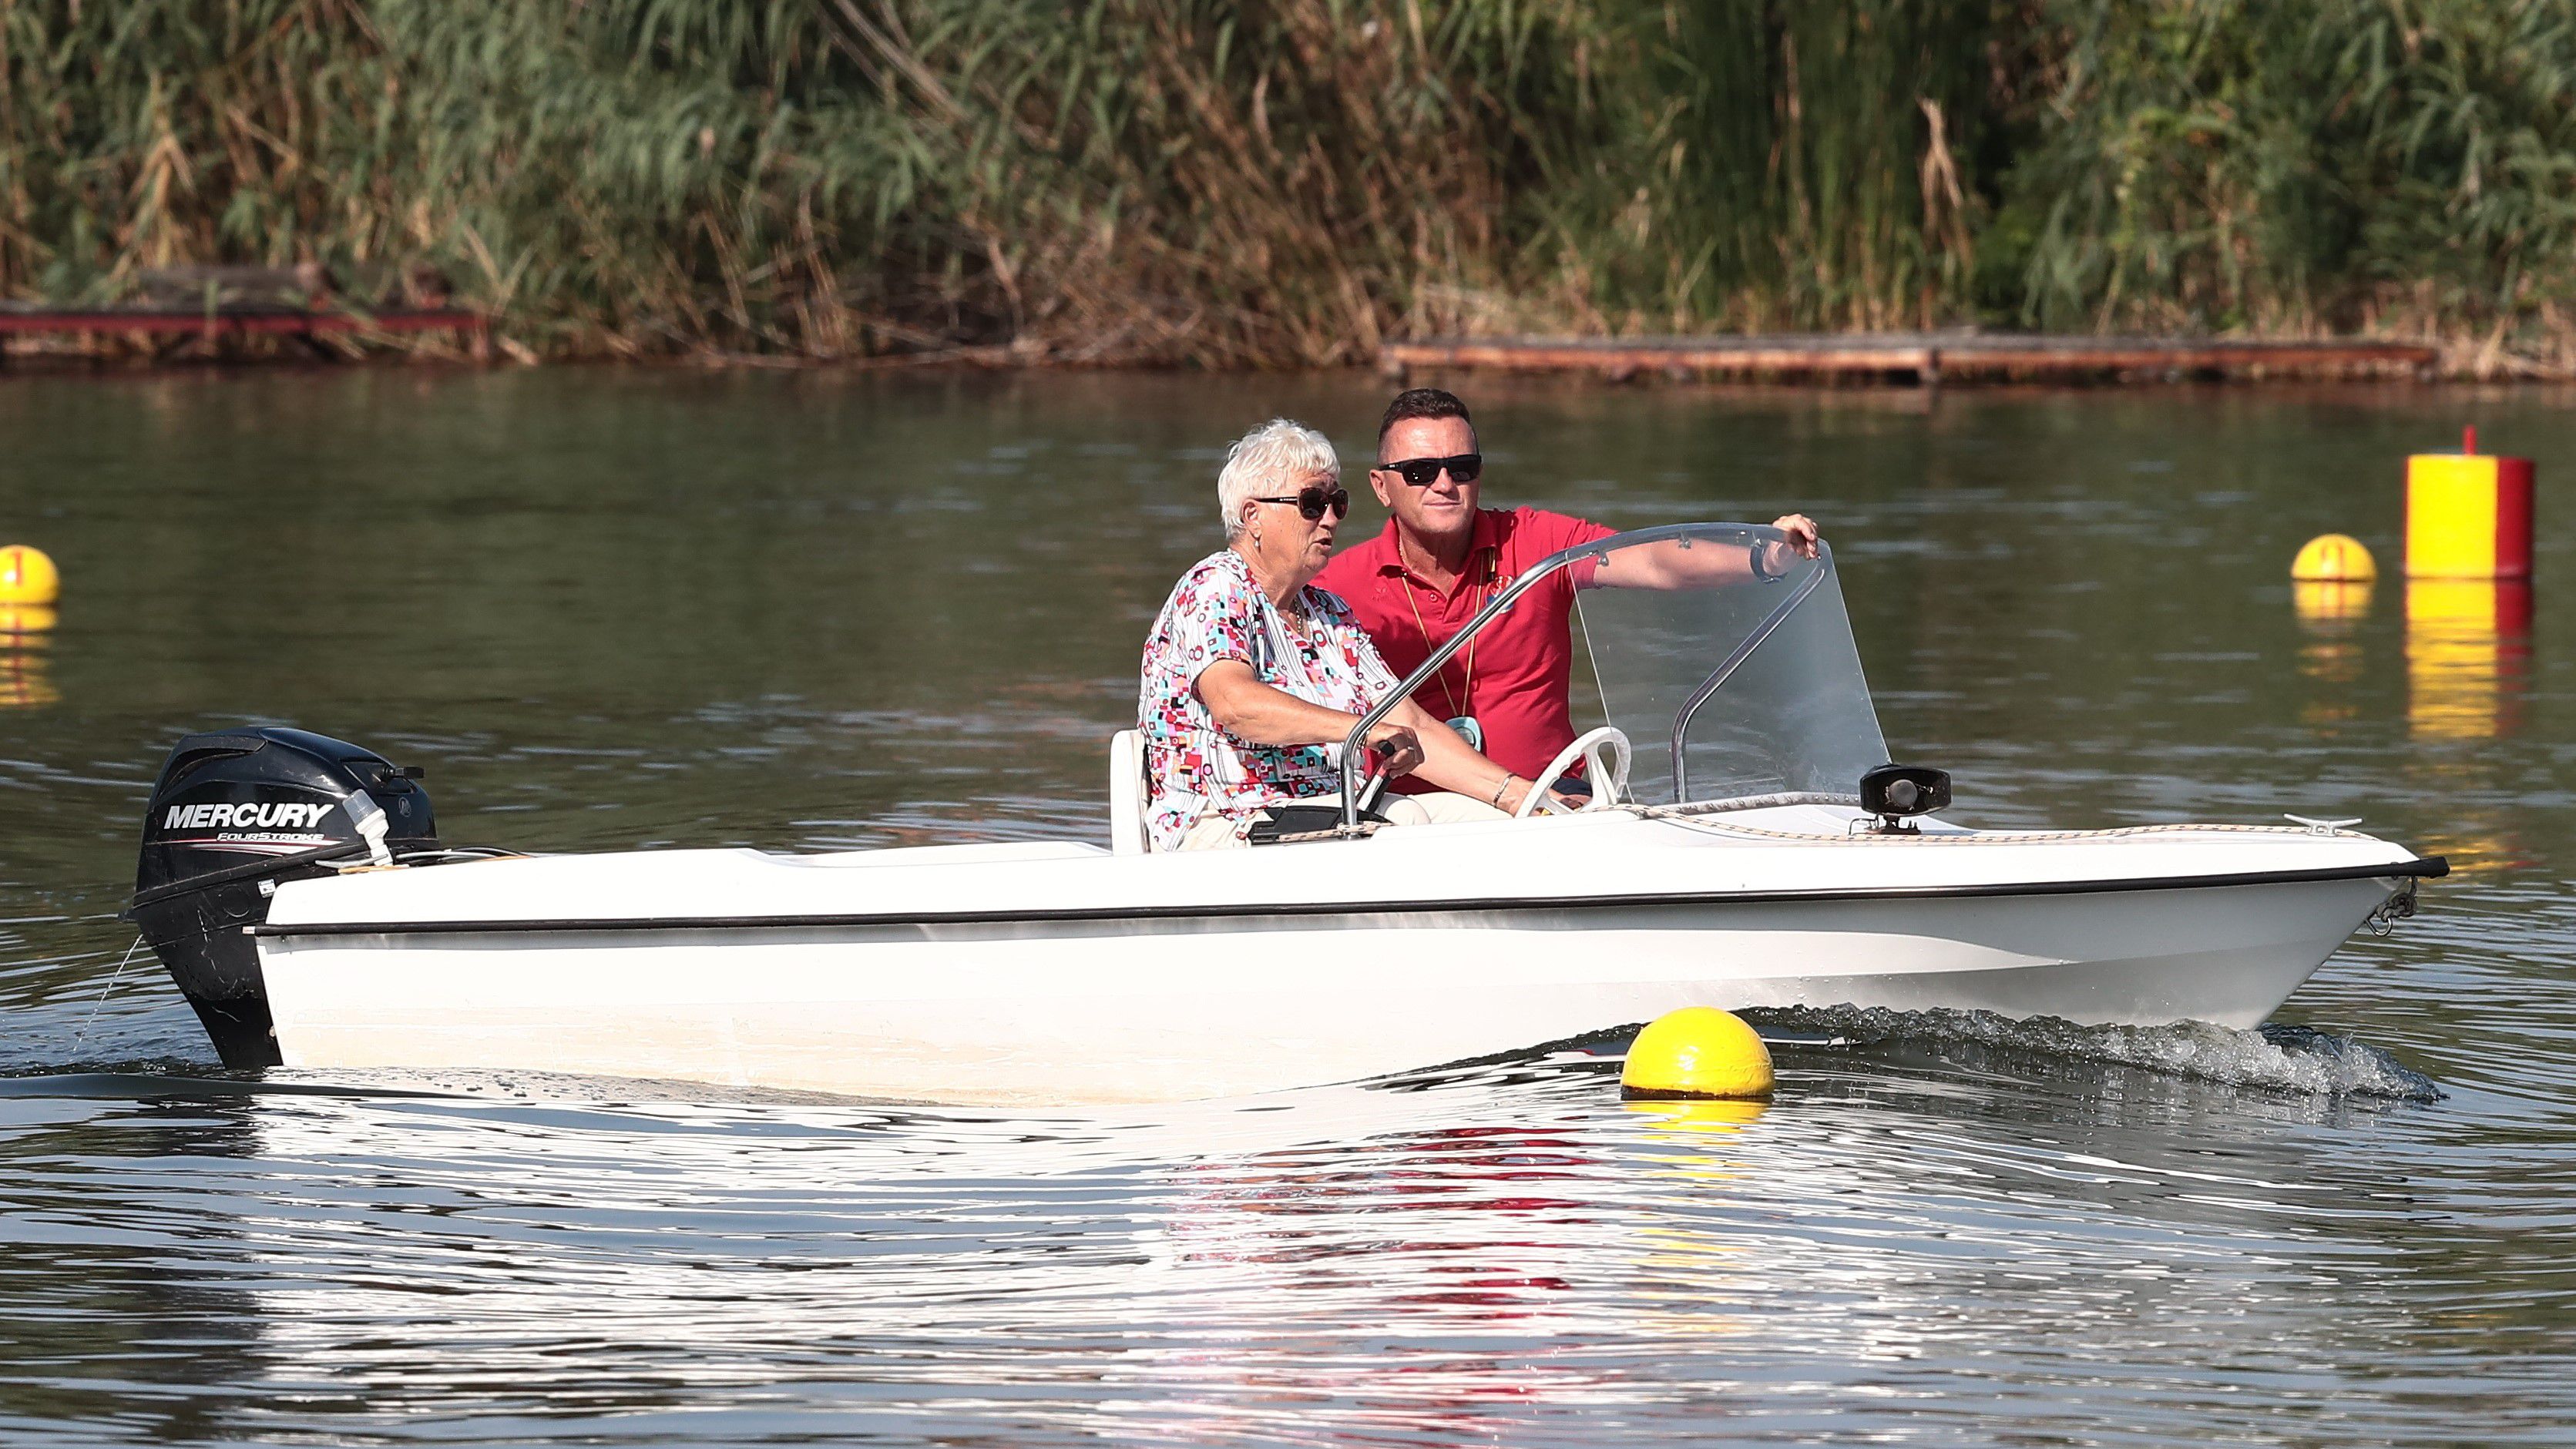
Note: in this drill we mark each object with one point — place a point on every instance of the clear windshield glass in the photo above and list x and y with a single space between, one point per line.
1678 632
1662 618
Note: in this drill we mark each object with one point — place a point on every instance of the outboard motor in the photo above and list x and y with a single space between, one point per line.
234 814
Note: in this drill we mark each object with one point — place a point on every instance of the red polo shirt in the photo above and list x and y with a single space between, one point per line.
1513 677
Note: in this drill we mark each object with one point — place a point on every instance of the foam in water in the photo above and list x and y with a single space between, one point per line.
2278 1058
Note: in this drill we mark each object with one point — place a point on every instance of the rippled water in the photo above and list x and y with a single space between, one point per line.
613 609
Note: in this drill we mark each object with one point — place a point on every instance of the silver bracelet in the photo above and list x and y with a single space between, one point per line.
1506 784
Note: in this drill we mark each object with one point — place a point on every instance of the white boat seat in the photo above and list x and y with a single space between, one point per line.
1127 834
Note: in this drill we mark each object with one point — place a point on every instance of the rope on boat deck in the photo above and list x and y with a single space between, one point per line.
2012 837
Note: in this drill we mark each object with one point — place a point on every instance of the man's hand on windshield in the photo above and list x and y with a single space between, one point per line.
1801 530
1676 564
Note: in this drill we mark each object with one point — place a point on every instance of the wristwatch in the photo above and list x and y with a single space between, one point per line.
1753 554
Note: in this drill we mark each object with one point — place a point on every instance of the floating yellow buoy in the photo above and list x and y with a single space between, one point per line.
2334 558
27 576
1698 1051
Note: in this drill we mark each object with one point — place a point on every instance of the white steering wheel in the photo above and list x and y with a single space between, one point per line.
1604 753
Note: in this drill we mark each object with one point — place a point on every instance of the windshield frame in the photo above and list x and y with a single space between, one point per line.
1601 549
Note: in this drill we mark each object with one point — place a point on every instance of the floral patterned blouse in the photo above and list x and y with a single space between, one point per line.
1316 652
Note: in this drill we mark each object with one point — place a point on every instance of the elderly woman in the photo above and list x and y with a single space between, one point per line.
1250 673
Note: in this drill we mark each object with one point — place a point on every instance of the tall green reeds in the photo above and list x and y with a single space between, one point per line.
1270 182
627 175
2320 165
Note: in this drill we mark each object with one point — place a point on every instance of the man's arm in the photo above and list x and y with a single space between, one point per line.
1694 564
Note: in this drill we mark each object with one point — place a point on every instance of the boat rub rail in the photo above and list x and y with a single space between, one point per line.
2428 867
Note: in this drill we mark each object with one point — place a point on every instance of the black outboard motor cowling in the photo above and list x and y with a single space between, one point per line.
234 814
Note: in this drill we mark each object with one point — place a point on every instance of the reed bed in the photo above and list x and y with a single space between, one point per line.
1287 182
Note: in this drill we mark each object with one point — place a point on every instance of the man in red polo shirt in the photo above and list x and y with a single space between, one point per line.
1441 558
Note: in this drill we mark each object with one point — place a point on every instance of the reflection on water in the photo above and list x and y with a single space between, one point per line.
2468 666
611 609
2332 654
25 629
2468 649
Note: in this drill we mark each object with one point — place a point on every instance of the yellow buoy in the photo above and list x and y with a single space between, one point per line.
1698 1051
2334 558
27 576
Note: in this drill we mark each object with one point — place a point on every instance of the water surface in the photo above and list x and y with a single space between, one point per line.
613 609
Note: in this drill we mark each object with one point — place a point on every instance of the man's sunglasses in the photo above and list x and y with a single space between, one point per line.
1313 500
1423 472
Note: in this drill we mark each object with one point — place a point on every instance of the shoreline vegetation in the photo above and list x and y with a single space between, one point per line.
1293 183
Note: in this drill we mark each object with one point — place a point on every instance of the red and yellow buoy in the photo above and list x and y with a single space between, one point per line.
2468 514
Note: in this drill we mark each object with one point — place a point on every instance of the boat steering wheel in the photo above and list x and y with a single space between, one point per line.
1605 754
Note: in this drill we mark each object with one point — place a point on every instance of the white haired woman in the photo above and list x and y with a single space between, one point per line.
1250 673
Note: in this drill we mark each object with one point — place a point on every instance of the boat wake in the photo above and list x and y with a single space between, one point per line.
2296 1060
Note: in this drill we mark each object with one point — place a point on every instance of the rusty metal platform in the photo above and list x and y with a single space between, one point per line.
1924 358
216 325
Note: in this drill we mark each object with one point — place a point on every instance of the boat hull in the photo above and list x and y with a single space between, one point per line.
1178 1005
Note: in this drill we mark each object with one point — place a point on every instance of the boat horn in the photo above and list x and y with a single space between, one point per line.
1894 792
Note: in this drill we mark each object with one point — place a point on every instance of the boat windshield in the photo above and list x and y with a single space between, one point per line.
1729 680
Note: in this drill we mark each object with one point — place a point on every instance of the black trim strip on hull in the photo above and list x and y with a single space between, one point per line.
2430 867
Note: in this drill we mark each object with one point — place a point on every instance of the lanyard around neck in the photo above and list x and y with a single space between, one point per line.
1457 706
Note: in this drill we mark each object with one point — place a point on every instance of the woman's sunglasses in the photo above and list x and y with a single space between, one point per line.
1423 472
1312 501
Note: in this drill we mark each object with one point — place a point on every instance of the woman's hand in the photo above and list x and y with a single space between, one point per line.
1397 748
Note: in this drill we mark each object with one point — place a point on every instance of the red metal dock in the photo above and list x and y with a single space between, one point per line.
1926 358
217 325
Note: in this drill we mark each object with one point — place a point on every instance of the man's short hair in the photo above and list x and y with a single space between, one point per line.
1274 458
1421 402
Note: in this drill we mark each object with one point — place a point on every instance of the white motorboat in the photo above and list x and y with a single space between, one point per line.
1766 856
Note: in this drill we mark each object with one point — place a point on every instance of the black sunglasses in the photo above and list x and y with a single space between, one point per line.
1423 472
1312 500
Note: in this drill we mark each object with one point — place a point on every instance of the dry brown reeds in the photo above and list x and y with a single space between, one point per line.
1285 182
